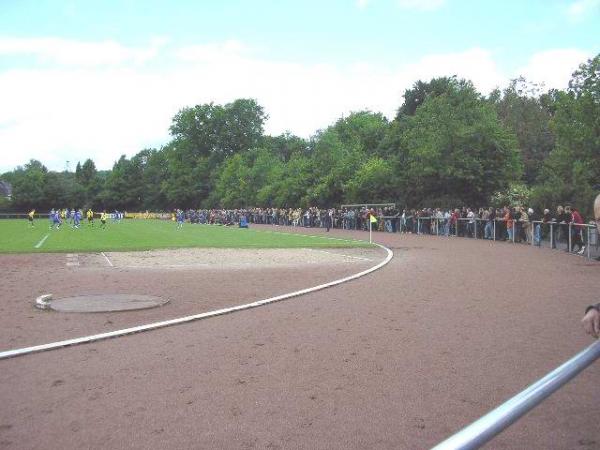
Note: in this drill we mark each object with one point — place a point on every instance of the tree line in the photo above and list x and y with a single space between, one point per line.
447 146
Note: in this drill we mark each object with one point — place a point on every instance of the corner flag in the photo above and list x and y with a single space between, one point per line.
372 220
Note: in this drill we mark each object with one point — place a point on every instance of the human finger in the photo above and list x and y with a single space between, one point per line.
596 323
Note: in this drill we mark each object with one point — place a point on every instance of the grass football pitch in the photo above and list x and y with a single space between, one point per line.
16 236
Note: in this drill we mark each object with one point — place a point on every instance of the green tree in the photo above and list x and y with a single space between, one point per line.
153 165
220 130
572 170
28 183
456 149
373 182
333 164
204 136
286 145
123 188
522 109
363 130
292 181
422 90
88 184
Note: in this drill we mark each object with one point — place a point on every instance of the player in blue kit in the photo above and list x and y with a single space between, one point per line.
180 218
76 218
56 222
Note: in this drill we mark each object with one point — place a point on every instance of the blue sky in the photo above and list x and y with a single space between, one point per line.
97 79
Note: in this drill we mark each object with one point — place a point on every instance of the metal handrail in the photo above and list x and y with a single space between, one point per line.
532 238
484 429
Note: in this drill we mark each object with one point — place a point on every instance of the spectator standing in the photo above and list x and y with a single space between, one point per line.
577 231
329 219
518 225
536 228
490 217
525 225
562 230
471 223
509 221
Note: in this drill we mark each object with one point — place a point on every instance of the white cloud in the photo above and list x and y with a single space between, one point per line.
580 9
421 5
362 4
553 68
70 52
72 113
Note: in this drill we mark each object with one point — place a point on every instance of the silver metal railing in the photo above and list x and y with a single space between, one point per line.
484 429
471 227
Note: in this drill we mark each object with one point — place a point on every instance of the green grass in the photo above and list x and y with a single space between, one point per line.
17 237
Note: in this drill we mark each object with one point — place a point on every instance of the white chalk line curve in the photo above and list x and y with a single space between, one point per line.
186 319
39 244
260 230
107 260
341 254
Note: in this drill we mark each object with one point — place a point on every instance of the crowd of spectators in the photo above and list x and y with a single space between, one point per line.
516 224
511 224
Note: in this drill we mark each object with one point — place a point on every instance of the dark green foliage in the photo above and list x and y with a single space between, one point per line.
572 170
454 147
421 91
527 114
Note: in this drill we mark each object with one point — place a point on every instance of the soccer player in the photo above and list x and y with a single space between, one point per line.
30 217
90 217
103 217
51 216
180 218
56 220
76 218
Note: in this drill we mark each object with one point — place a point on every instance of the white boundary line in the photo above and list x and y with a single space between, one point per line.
167 323
39 244
260 230
107 260
314 236
362 258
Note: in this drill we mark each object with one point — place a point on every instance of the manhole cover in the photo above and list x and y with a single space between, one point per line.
106 303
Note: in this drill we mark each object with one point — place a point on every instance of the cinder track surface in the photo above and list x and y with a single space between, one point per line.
399 359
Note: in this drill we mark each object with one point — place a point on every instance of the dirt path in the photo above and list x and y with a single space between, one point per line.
400 359
194 281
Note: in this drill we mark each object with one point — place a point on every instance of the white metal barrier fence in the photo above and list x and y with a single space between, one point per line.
494 422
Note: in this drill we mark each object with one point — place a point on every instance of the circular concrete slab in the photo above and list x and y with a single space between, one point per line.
106 303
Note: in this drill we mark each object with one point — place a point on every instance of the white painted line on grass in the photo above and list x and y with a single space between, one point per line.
107 260
39 244
167 323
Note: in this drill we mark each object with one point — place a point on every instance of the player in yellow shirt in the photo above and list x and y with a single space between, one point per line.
30 217
103 218
90 217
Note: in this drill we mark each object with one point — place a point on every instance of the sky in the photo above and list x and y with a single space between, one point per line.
100 78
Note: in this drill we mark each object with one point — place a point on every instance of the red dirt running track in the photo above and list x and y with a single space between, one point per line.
399 359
